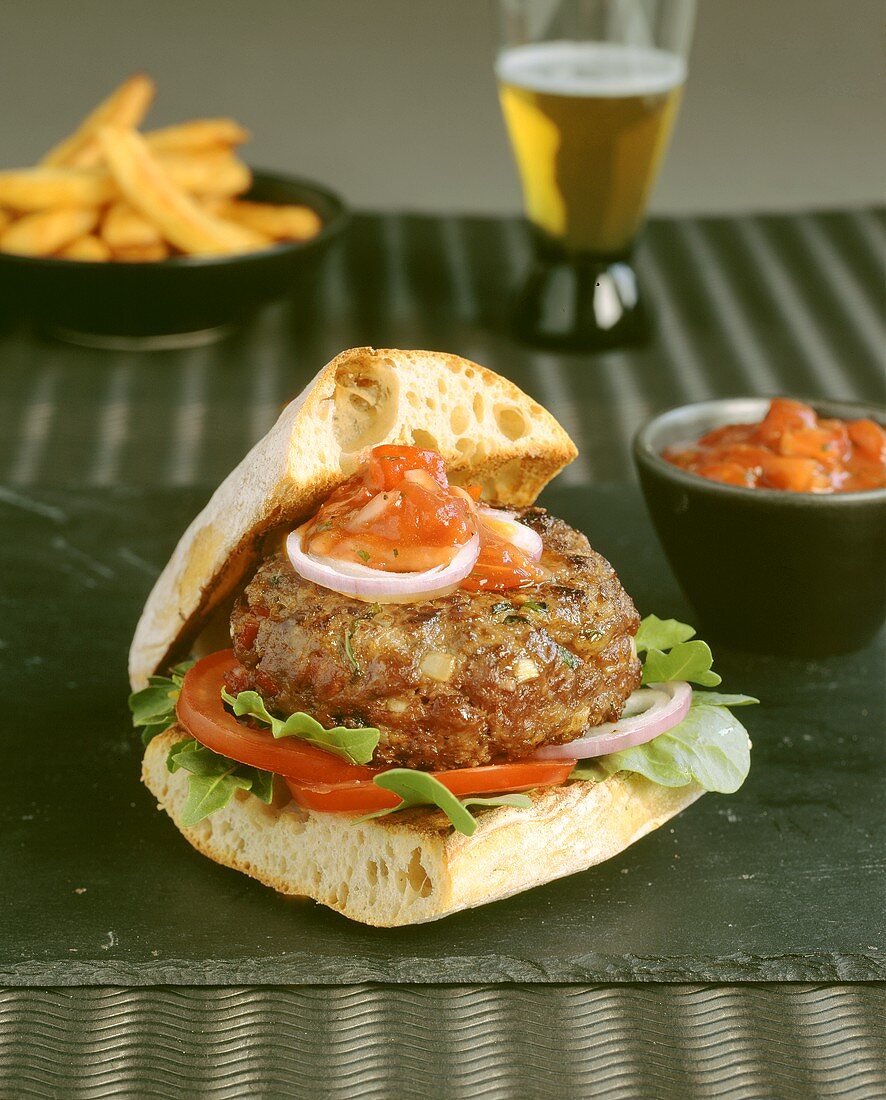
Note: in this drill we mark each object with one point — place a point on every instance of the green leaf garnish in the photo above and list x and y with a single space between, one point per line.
153 707
656 633
589 769
502 605
686 661
521 801
349 651
533 605
363 555
568 657
214 779
417 788
721 699
356 746
710 746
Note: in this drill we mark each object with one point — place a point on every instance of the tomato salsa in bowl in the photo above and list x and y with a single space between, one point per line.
772 513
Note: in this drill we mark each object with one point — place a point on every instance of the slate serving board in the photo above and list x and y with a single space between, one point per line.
781 882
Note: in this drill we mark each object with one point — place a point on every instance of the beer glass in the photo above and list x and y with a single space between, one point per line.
589 90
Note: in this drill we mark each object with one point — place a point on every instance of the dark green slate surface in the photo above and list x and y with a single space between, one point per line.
783 881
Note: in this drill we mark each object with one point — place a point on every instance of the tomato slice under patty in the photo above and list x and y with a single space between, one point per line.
319 780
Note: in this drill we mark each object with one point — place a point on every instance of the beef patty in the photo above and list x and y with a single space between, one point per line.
465 679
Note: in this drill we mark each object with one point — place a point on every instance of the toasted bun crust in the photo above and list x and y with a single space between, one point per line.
488 431
413 867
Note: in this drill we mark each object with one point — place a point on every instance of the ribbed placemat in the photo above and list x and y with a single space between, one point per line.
745 305
754 1042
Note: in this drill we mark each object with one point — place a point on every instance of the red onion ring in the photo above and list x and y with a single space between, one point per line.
523 537
376 585
664 706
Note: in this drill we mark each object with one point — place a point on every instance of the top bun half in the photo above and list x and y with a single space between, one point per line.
488 431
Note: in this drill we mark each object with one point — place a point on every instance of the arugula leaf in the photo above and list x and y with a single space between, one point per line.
180 670
262 785
214 779
357 745
591 770
154 706
153 703
686 661
710 746
522 801
208 793
720 699
349 651
151 731
568 657
417 788
656 633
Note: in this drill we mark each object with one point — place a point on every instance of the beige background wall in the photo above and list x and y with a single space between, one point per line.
393 102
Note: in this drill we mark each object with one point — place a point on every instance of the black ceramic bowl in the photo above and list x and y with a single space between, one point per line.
176 301
770 571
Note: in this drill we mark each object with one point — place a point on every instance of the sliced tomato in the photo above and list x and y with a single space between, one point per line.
362 797
202 712
501 566
390 462
319 780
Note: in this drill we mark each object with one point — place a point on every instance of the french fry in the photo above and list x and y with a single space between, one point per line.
27 189
283 223
200 133
47 231
210 172
125 106
139 254
123 227
217 172
149 188
91 248
5 219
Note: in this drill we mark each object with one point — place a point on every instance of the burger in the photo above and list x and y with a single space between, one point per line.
376 674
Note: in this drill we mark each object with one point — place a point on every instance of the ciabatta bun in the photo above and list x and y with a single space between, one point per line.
488 431
412 867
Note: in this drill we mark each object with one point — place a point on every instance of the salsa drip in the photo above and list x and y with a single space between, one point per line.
791 449
399 514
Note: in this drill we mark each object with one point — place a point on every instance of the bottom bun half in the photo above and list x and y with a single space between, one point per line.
412 867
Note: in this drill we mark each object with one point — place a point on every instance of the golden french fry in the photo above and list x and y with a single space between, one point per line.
91 248
200 133
123 227
149 188
144 253
290 223
27 189
5 219
125 106
210 172
47 231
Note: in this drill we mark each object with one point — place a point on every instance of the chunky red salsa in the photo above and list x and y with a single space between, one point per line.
400 514
791 448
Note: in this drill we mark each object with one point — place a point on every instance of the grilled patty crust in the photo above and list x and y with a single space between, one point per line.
466 679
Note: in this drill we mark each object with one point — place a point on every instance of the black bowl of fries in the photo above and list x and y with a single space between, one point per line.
158 238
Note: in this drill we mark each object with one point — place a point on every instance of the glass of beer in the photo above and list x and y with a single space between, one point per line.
589 90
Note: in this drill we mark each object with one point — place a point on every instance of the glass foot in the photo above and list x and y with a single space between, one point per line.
581 303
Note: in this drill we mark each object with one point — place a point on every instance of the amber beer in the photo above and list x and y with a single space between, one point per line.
589 123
